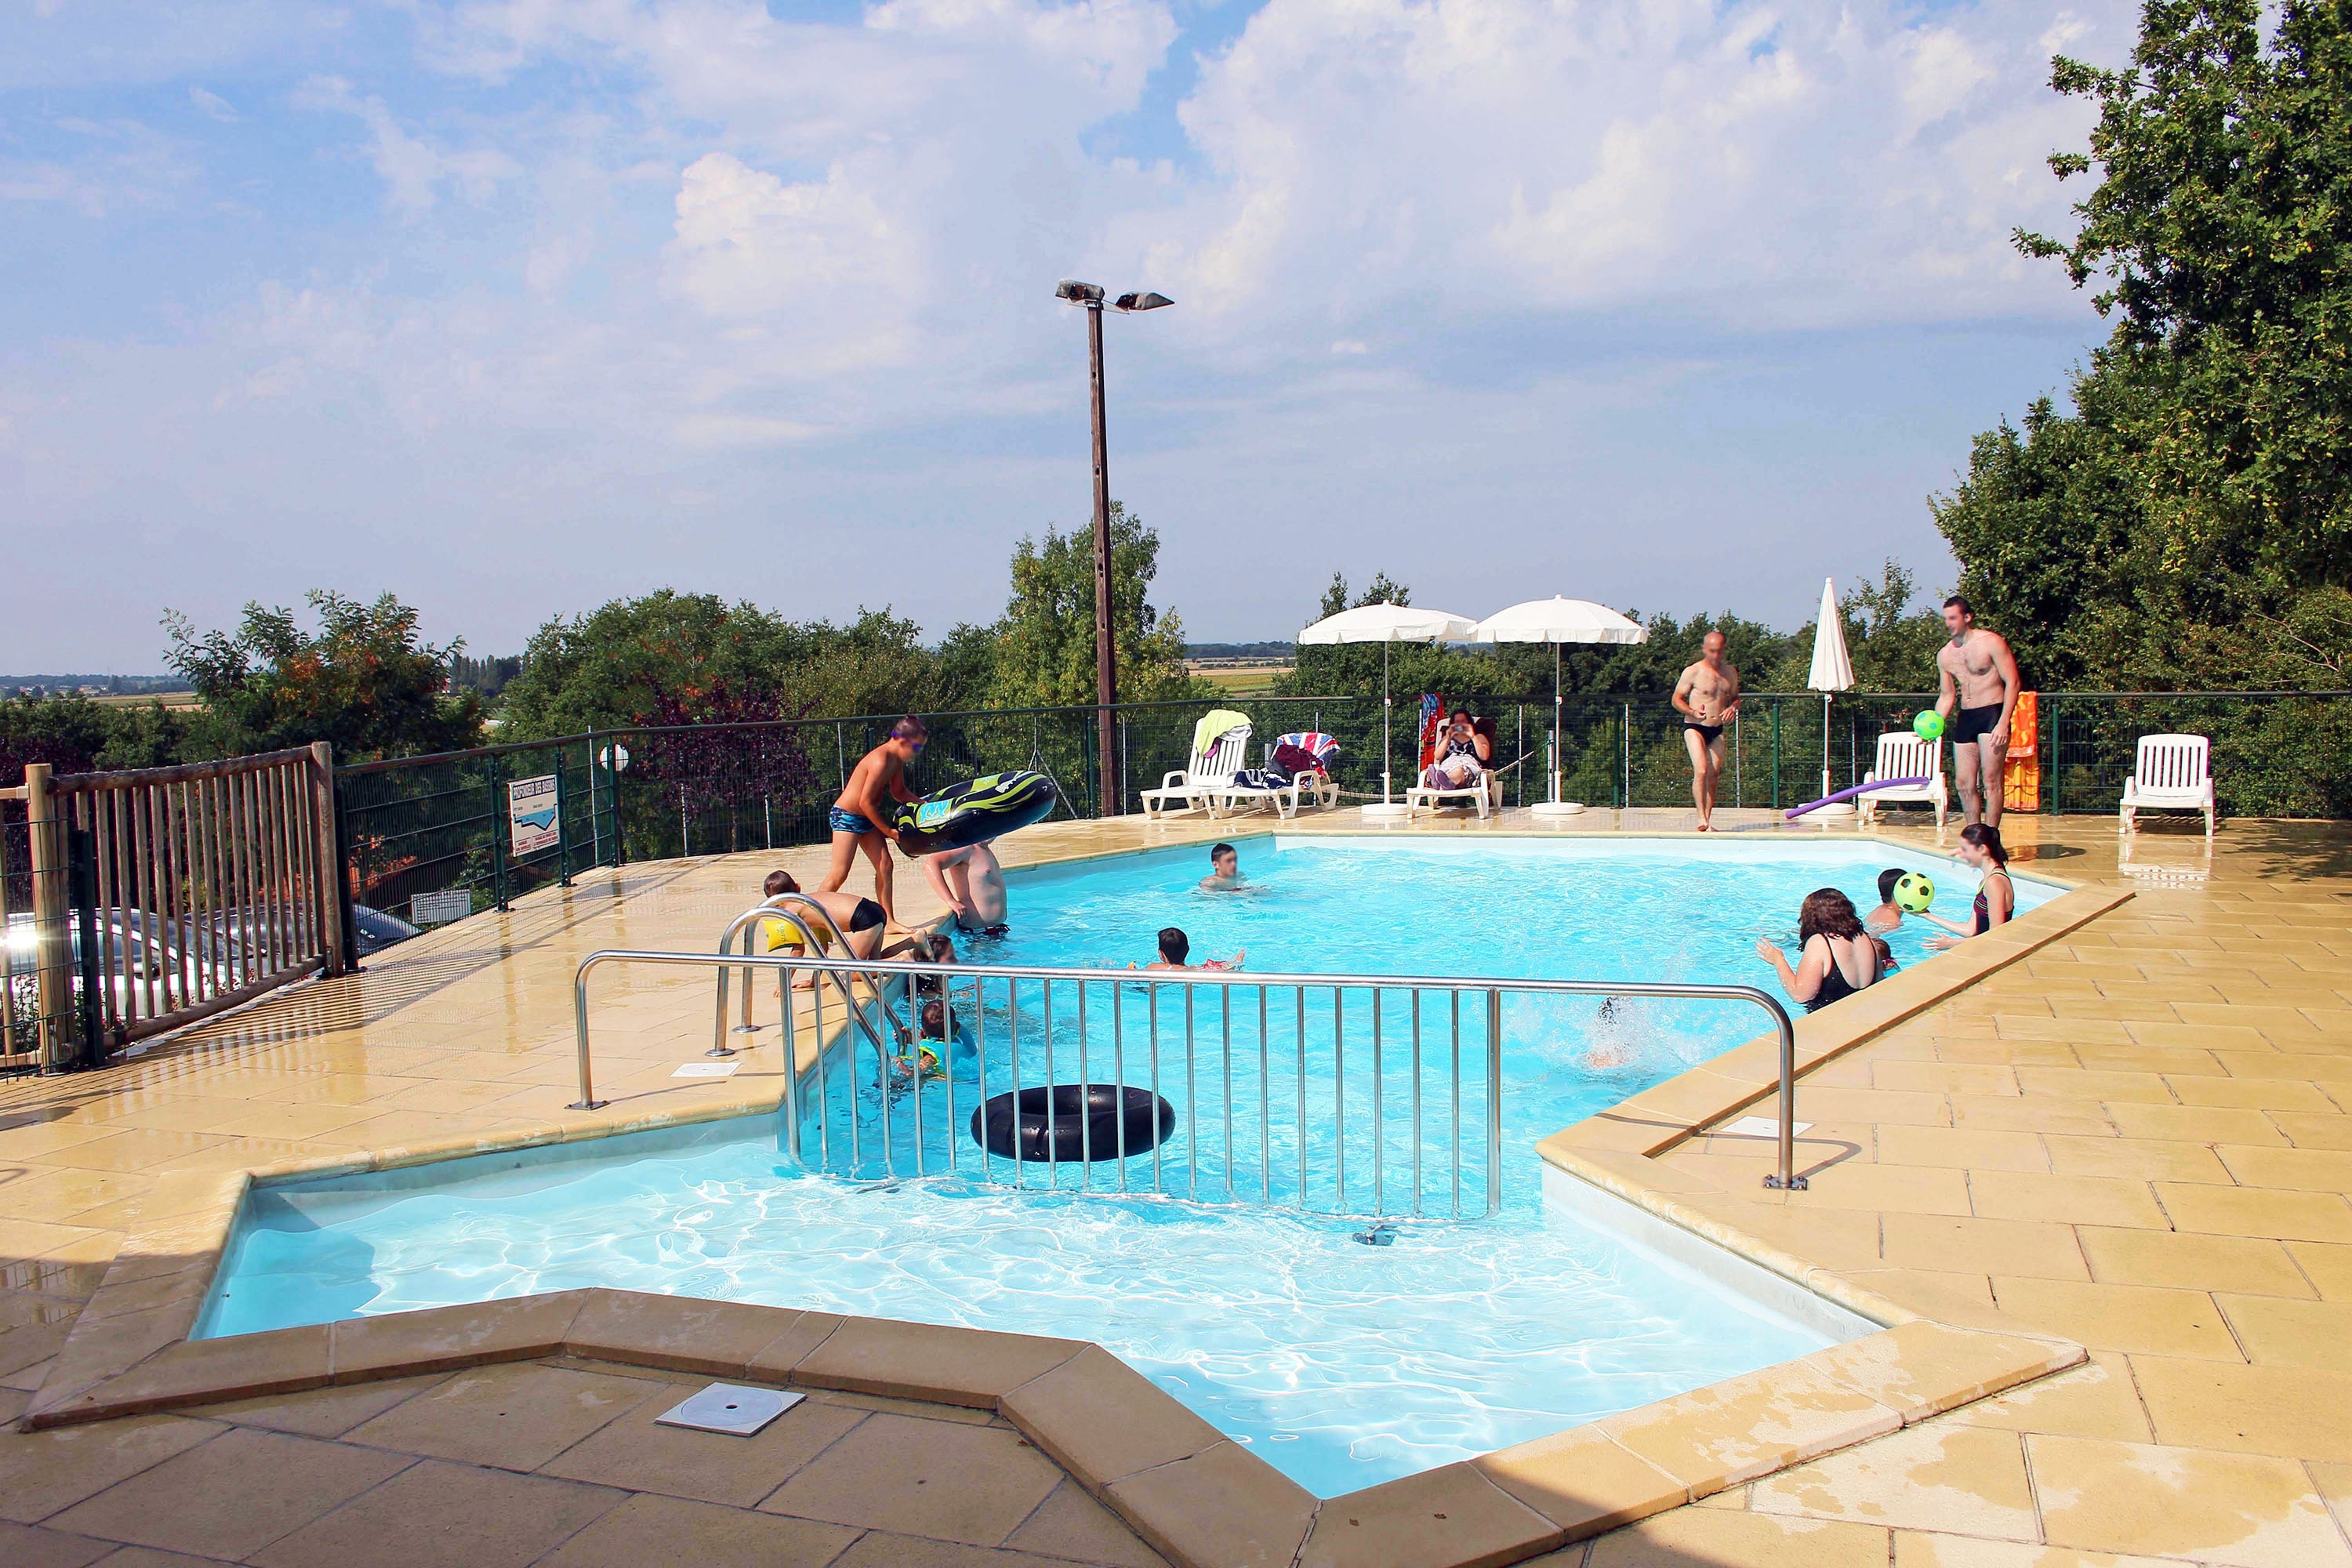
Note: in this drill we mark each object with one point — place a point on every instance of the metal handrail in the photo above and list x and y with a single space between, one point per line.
1784 1178
744 922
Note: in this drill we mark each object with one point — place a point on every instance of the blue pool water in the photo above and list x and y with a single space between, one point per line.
1342 1364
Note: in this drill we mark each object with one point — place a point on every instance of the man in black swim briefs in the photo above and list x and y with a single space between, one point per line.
1706 695
1979 684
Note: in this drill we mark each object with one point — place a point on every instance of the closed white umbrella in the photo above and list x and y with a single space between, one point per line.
1833 671
1556 621
1386 623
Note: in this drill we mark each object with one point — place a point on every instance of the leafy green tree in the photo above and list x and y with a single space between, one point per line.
75 735
2190 522
365 681
1045 646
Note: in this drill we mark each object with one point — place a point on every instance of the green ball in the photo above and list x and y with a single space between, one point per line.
1927 724
1913 893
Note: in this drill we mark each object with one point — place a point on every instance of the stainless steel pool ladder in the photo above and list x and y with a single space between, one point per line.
1224 984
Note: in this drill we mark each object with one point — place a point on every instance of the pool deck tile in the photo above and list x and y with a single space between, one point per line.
920 1361
1103 1421
1582 1480
444 1339
1452 1514
683 1332
1222 1508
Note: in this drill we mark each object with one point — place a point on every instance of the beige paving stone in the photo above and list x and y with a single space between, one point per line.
973 1484
1922 1369
634 1451
1943 1077
2327 1130
1914 1549
2084 1085
650 1529
439 1515
516 1416
320 1412
918 1361
2272 1094
2305 1170
1935 1476
2004 1246
2298 1063
2280 1333
2095 1399
2249 1211
1744 1428
1100 1419
1960 1149
1452 1514
1222 1506
2131 1318
2194 1124
877 1549
2328 1266
1889 1189
2186 1260
43 1472
2292 1412
29 1546
1581 1481
717 1338
2065 1200
1689 1537
2237 1508
2031 1113
448 1338
2098 1056
231 1496
2135 1158
840 1400
1072 1524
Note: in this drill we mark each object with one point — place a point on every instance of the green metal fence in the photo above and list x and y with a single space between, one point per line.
441 823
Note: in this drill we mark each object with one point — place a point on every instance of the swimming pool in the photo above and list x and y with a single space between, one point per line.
1342 1364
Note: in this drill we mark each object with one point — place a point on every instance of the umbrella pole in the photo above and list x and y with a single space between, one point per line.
1557 736
1387 761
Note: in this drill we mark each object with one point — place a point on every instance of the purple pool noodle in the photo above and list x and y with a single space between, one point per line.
1797 811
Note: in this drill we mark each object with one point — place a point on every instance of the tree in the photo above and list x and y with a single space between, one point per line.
2191 520
1045 642
365 681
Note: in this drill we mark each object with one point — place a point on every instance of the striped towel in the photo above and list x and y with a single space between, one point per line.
1315 741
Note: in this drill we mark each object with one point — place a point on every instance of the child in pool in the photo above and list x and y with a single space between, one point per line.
1224 871
1888 914
1176 951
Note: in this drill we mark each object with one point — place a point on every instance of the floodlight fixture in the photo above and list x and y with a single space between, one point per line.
1146 301
1078 293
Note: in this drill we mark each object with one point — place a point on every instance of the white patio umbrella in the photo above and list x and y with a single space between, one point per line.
1833 671
1386 623
1556 621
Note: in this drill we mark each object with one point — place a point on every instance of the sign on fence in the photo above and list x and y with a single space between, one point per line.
530 816
441 907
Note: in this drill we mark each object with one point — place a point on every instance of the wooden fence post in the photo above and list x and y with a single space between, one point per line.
52 953
330 891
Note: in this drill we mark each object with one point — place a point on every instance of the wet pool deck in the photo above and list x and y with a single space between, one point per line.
2127 1135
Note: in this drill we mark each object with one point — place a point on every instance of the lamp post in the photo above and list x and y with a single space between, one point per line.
1089 296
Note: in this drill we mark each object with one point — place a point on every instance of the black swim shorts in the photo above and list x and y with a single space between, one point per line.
1975 723
866 916
1710 733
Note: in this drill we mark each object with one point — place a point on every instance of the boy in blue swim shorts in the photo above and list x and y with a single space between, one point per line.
860 818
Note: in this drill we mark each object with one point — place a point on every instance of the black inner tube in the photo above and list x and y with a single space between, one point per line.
1070 1122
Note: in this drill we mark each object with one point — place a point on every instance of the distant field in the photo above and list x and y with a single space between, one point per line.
1239 676
141 700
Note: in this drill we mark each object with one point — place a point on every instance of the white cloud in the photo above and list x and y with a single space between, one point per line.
412 169
212 104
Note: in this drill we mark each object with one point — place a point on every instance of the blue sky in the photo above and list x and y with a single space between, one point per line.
516 306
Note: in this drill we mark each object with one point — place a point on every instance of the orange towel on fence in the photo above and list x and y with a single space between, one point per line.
2021 776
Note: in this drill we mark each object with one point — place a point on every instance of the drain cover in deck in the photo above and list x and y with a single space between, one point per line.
729 1407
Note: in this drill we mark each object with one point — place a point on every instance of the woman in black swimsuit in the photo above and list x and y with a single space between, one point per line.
1837 957
1980 847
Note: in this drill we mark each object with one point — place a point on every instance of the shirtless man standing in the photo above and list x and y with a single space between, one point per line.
1706 695
971 884
1979 678
860 819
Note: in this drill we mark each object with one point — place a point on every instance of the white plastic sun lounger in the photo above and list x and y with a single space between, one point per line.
1904 756
1484 792
2174 772
1203 780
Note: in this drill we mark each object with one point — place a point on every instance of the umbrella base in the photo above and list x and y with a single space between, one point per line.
1387 810
1558 808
